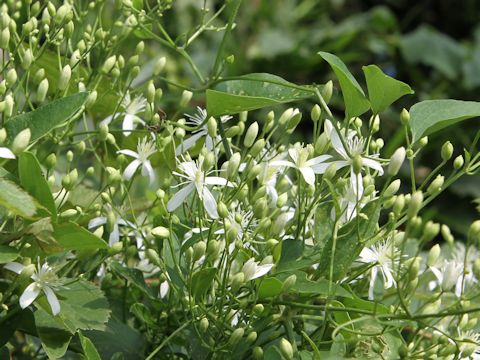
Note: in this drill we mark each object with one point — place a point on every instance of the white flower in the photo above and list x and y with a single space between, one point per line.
355 147
253 269
145 148
197 120
459 257
6 153
196 179
164 287
44 279
308 168
114 236
449 274
384 256
131 107
469 345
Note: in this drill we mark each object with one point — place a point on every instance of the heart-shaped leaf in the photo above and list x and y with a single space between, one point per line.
355 101
429 116
383 90
253 91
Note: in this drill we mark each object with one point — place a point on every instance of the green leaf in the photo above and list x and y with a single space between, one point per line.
88 348
135 277
83 307
350 241
253 91
429 116
73 237
55 337
32 180
46 118
7 254
144 314
269 287
355 101
383 90
16 200
202 281
308 287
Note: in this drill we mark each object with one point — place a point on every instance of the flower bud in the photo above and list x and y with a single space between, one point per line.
212 127
257 353
423 141
109 64
9 104
159 65
286 116
21 141
396 161
199 249
458 162
279 224
315 113
185 99
436 185
236 336
11 77
404 117
327 91
203 326
91 99
222 210
102 132
257 147
357 164
258 309
447 151
4 38
447 234
42 90
232 234
282 200
65 76
286 349
153 256
252 337
64 13
260 208
213 248
237 281
69 213
289 283
3 135
115 248
474 232
251 135
433 255
376 124
398 204
160 232
415 204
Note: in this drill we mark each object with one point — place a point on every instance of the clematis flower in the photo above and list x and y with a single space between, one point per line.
132 107
196 180
6 153
354 148
308 168
384 256
448 274
114 236
44 279
253 269
145 149
469 345
196 120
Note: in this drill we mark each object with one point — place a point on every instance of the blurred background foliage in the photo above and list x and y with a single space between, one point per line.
434 46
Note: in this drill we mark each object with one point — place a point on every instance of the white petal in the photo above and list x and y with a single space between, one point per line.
128 152
373 164
216 180
209 143
114 236
308 175
131 168
6 153
210 203
179 197
340 163
318 160
320 168
367 255
109 119
96 222
188 143
52 300
438 274
337 143
261 270
147 170
282 163
164 287
373 276
127 124
14 266
293 154
356 181
29 295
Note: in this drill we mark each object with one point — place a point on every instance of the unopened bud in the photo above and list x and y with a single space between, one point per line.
458 162
102 132
423 141
233 165
251 135
153 256
203 326
160 232
236 336
433 255
474 232
222 210
447 151
436 185
289 283
260 208
42 90
327 91
185 99
286 349
257 147
109 64
159 65
447 234
396 161
315 113
252 337
199 250
257 353
357 164
212 127
65 76
237 281
415 204
21 141
404 117
11 77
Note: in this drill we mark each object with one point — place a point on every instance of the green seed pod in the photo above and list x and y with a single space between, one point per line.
236 336
251 135
405 117
315 113
42 90
160 232
257 353
286 349
458 162
396 161
21 141
415 204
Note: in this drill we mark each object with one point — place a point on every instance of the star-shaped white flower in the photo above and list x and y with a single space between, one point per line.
196 120
145 149
448 274
44 279
354 147
253 269
384 256
308 168
196 180
114 236
132 107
